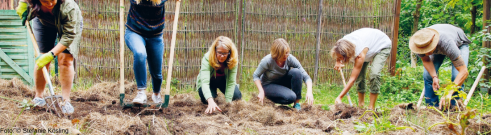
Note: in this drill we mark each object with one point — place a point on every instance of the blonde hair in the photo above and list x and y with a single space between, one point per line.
155 2
232 59
344 48
279 48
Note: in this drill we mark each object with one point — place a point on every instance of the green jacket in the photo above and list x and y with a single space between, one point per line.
69 24
203 80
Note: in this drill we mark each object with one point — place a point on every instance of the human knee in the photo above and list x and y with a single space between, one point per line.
140 56
65 60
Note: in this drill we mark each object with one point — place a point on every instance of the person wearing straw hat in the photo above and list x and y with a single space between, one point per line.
52 20
362 46
279 77
433 44
219 70
144 37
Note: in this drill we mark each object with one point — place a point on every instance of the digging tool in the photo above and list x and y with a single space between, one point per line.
52 100
165 104
347 93
469 96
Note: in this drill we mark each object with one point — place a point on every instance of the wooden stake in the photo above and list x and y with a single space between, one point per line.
318 47
469 96
395 35
172 46
347 93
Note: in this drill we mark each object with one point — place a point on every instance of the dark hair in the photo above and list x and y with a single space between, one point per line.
35 6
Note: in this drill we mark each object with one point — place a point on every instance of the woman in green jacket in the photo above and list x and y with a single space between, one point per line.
219 70
51 20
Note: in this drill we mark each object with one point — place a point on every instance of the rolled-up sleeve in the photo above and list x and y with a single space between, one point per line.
71 28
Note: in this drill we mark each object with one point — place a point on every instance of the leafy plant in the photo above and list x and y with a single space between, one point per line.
378 125
463 120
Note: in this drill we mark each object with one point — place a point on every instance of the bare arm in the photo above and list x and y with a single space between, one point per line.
462 68
428 64
58 49
354 73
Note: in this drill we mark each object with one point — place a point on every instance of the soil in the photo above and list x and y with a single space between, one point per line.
97 111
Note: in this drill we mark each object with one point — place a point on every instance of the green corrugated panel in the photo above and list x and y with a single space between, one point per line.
16 52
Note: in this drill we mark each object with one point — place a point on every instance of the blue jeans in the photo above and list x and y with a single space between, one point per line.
431 98
146 48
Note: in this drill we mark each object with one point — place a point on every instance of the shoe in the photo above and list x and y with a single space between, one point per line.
67 108
157 99
39 101
141 98
297 106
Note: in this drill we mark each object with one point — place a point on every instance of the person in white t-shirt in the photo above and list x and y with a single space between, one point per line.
362 46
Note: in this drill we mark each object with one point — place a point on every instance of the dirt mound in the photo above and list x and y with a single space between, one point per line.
98 112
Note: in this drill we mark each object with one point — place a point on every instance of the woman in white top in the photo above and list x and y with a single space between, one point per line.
362 46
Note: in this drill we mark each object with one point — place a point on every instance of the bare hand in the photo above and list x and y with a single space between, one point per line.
338 101
212 106
339 66
260 97
443 101
310 98
436 84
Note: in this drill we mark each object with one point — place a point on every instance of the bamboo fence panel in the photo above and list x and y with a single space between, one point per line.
201 21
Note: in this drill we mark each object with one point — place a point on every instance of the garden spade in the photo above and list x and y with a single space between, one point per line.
165 104
347 93
52 101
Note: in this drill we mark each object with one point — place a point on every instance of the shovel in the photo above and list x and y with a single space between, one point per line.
52 100
165 104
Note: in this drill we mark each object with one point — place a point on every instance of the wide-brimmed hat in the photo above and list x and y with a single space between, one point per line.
424 41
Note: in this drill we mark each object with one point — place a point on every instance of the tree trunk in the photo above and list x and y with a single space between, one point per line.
486 17
416 16
473 14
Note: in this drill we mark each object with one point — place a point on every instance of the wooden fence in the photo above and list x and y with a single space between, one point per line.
252 24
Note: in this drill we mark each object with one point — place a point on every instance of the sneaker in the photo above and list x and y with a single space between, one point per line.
66 107
39 101
141 98
157 99
297 106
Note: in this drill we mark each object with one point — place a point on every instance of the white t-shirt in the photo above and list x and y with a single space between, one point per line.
373 39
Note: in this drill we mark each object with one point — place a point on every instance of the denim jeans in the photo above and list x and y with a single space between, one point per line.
145 49
287 89
431 98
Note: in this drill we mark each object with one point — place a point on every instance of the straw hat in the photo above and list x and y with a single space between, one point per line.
424 41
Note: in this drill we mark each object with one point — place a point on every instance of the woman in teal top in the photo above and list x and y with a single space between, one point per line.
218 70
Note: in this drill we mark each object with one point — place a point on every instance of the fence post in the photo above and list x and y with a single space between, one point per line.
241 37
317 49
395 35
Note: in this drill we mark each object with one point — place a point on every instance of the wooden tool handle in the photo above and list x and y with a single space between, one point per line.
121 46
172 45
347 93
469 96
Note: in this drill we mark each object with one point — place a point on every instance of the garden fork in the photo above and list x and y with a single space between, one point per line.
52 101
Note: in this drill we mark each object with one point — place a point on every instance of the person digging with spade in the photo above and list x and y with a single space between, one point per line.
218 70
51 20
362 46
433 44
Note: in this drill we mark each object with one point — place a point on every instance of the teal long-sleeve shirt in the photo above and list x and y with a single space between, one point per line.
207 71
